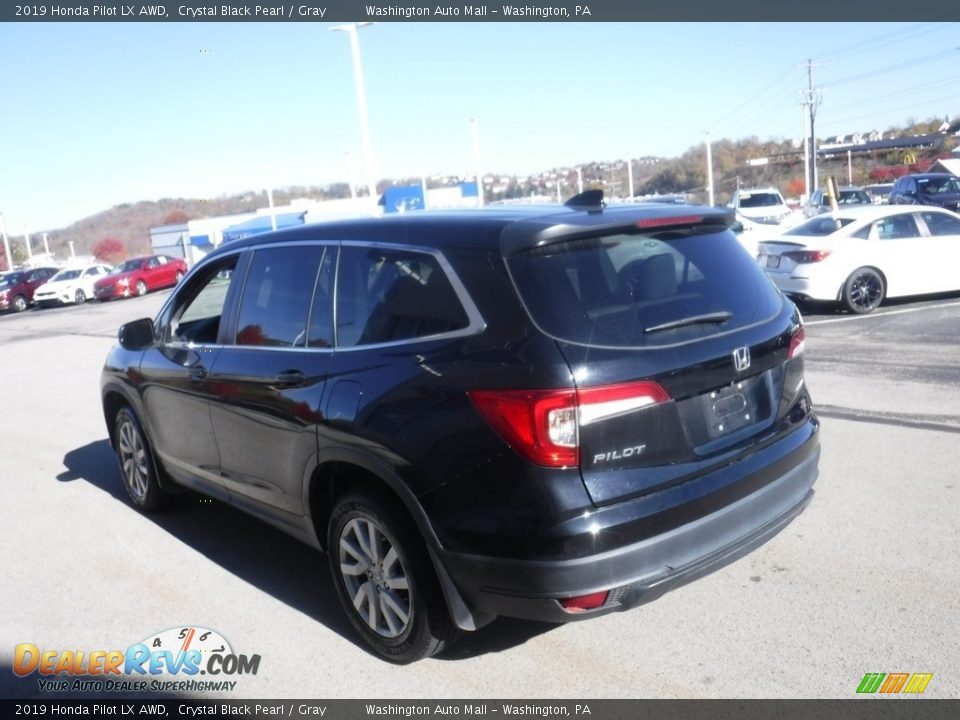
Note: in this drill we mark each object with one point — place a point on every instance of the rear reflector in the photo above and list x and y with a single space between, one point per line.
584 602
543 426
797 343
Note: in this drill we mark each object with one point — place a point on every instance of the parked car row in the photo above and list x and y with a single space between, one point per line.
859 256
48 286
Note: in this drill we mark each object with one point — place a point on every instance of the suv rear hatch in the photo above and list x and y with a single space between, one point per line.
683 355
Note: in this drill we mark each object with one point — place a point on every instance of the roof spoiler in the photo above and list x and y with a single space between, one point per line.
589 200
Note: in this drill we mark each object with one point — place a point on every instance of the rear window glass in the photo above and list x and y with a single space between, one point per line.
820 226
643 290
755 200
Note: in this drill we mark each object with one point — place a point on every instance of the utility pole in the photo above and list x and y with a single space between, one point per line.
812 102
709 171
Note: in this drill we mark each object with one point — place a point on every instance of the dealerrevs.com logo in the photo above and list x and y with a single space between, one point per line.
181 659
894 683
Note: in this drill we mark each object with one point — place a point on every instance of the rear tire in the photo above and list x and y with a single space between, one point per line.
20 303
137 469
385 580
863 291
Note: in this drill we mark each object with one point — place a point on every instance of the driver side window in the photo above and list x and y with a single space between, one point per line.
196 319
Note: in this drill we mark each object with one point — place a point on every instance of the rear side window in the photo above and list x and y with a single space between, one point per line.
277 295
386 295
643 290
941 223
819 226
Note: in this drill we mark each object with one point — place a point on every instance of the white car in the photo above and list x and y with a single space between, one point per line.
862 255
72 285
764 206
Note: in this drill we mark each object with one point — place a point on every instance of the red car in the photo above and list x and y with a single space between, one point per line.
139 276
16 288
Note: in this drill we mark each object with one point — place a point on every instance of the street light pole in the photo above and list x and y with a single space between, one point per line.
351 30
476 159
273 214
709 171
6 242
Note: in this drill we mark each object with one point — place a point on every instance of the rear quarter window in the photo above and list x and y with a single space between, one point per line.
643 290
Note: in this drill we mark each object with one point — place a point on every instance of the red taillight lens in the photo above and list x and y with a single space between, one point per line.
539 424
803 257
544 425
796 343
584 602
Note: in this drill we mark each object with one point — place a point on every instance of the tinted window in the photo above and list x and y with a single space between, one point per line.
755 200
819 226
941 224
276 296
853 197
388 295
200 304
935 185
637 290
896 227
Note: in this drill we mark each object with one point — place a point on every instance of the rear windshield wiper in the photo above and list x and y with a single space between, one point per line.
717 317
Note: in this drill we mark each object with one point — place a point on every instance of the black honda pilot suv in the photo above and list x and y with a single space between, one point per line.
548 413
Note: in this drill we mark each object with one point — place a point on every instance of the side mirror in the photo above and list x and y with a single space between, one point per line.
137 335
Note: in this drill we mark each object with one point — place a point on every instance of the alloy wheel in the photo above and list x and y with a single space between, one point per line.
866 291
374 578
133 460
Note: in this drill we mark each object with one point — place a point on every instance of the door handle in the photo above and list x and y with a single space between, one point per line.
289 378
198 372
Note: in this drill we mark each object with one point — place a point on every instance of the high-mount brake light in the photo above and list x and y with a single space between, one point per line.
543 426
669 221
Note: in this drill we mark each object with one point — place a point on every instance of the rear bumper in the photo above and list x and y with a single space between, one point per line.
635 573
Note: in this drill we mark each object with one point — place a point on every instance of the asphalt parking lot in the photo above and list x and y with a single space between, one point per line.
866 580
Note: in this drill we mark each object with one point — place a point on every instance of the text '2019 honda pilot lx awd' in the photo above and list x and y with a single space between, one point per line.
546 413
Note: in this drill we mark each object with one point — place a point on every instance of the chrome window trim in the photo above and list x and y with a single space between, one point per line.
475 322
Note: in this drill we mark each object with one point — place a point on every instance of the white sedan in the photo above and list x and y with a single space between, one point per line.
862 255
72 285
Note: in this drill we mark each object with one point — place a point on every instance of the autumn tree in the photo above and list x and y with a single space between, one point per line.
176 217
110 250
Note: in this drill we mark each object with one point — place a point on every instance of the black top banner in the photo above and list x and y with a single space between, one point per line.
535 11
493 709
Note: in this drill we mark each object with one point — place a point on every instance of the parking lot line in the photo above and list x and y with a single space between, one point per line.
876 315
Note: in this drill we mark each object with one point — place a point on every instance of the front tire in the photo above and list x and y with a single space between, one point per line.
137 468
79 297
863 291
20 303
141 288
385 580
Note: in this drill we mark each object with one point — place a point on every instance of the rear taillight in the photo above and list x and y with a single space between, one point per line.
803 257
544 425
796 343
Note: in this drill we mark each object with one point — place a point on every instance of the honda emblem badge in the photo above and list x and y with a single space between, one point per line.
741 359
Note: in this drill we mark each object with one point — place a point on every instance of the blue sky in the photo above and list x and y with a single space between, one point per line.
100 114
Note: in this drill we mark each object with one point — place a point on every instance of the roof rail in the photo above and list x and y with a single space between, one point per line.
589 200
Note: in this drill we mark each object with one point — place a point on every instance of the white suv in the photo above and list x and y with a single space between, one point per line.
761 205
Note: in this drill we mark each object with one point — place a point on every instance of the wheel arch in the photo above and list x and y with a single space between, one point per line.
881 273
338 471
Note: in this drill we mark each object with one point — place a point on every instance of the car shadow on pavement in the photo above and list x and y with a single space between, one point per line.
263 556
